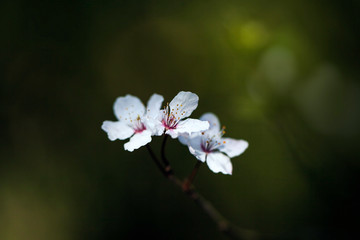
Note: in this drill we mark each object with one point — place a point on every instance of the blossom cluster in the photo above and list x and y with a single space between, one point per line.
203 137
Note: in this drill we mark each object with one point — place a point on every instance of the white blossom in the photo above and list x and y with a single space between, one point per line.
171 120
134 121
209 146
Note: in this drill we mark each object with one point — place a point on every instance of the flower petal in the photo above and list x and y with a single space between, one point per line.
198 154
154 105
172 133
191 125
152 119
138 140
154 125
233 147
183 104
128 108
195 142
184 139
117 130
213 121
219 162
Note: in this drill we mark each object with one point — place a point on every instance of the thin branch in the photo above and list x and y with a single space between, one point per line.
188 181
168 168
222 223
156 160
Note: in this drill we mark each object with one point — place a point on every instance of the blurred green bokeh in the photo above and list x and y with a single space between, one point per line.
283 75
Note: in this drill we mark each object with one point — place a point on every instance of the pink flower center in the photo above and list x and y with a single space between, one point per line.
211 143
171 117
140 129
169 122
138 126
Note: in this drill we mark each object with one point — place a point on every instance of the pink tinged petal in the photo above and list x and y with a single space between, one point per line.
201 156
128 108
138 140
233 147
154 105
219 162
213 121
183 104
191 126
117 130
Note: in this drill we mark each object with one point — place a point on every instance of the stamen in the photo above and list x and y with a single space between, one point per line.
170 118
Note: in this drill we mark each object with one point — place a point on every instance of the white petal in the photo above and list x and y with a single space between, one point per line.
195 143
198 154
172 133
191 125
154 125
154 105
138 140
117 130
213 121
128 108
184 139
233 147
183 104
219 162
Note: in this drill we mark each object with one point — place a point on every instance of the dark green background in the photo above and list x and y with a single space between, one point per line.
283 75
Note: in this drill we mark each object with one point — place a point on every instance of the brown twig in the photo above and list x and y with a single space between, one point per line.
168 168
156 160
222 223
188 181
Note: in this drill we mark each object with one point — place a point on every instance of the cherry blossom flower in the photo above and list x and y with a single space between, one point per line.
209 146
171 119
134 121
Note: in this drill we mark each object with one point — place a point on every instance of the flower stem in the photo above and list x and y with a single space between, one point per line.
222 223
168 168
156 160
224 226
188 181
